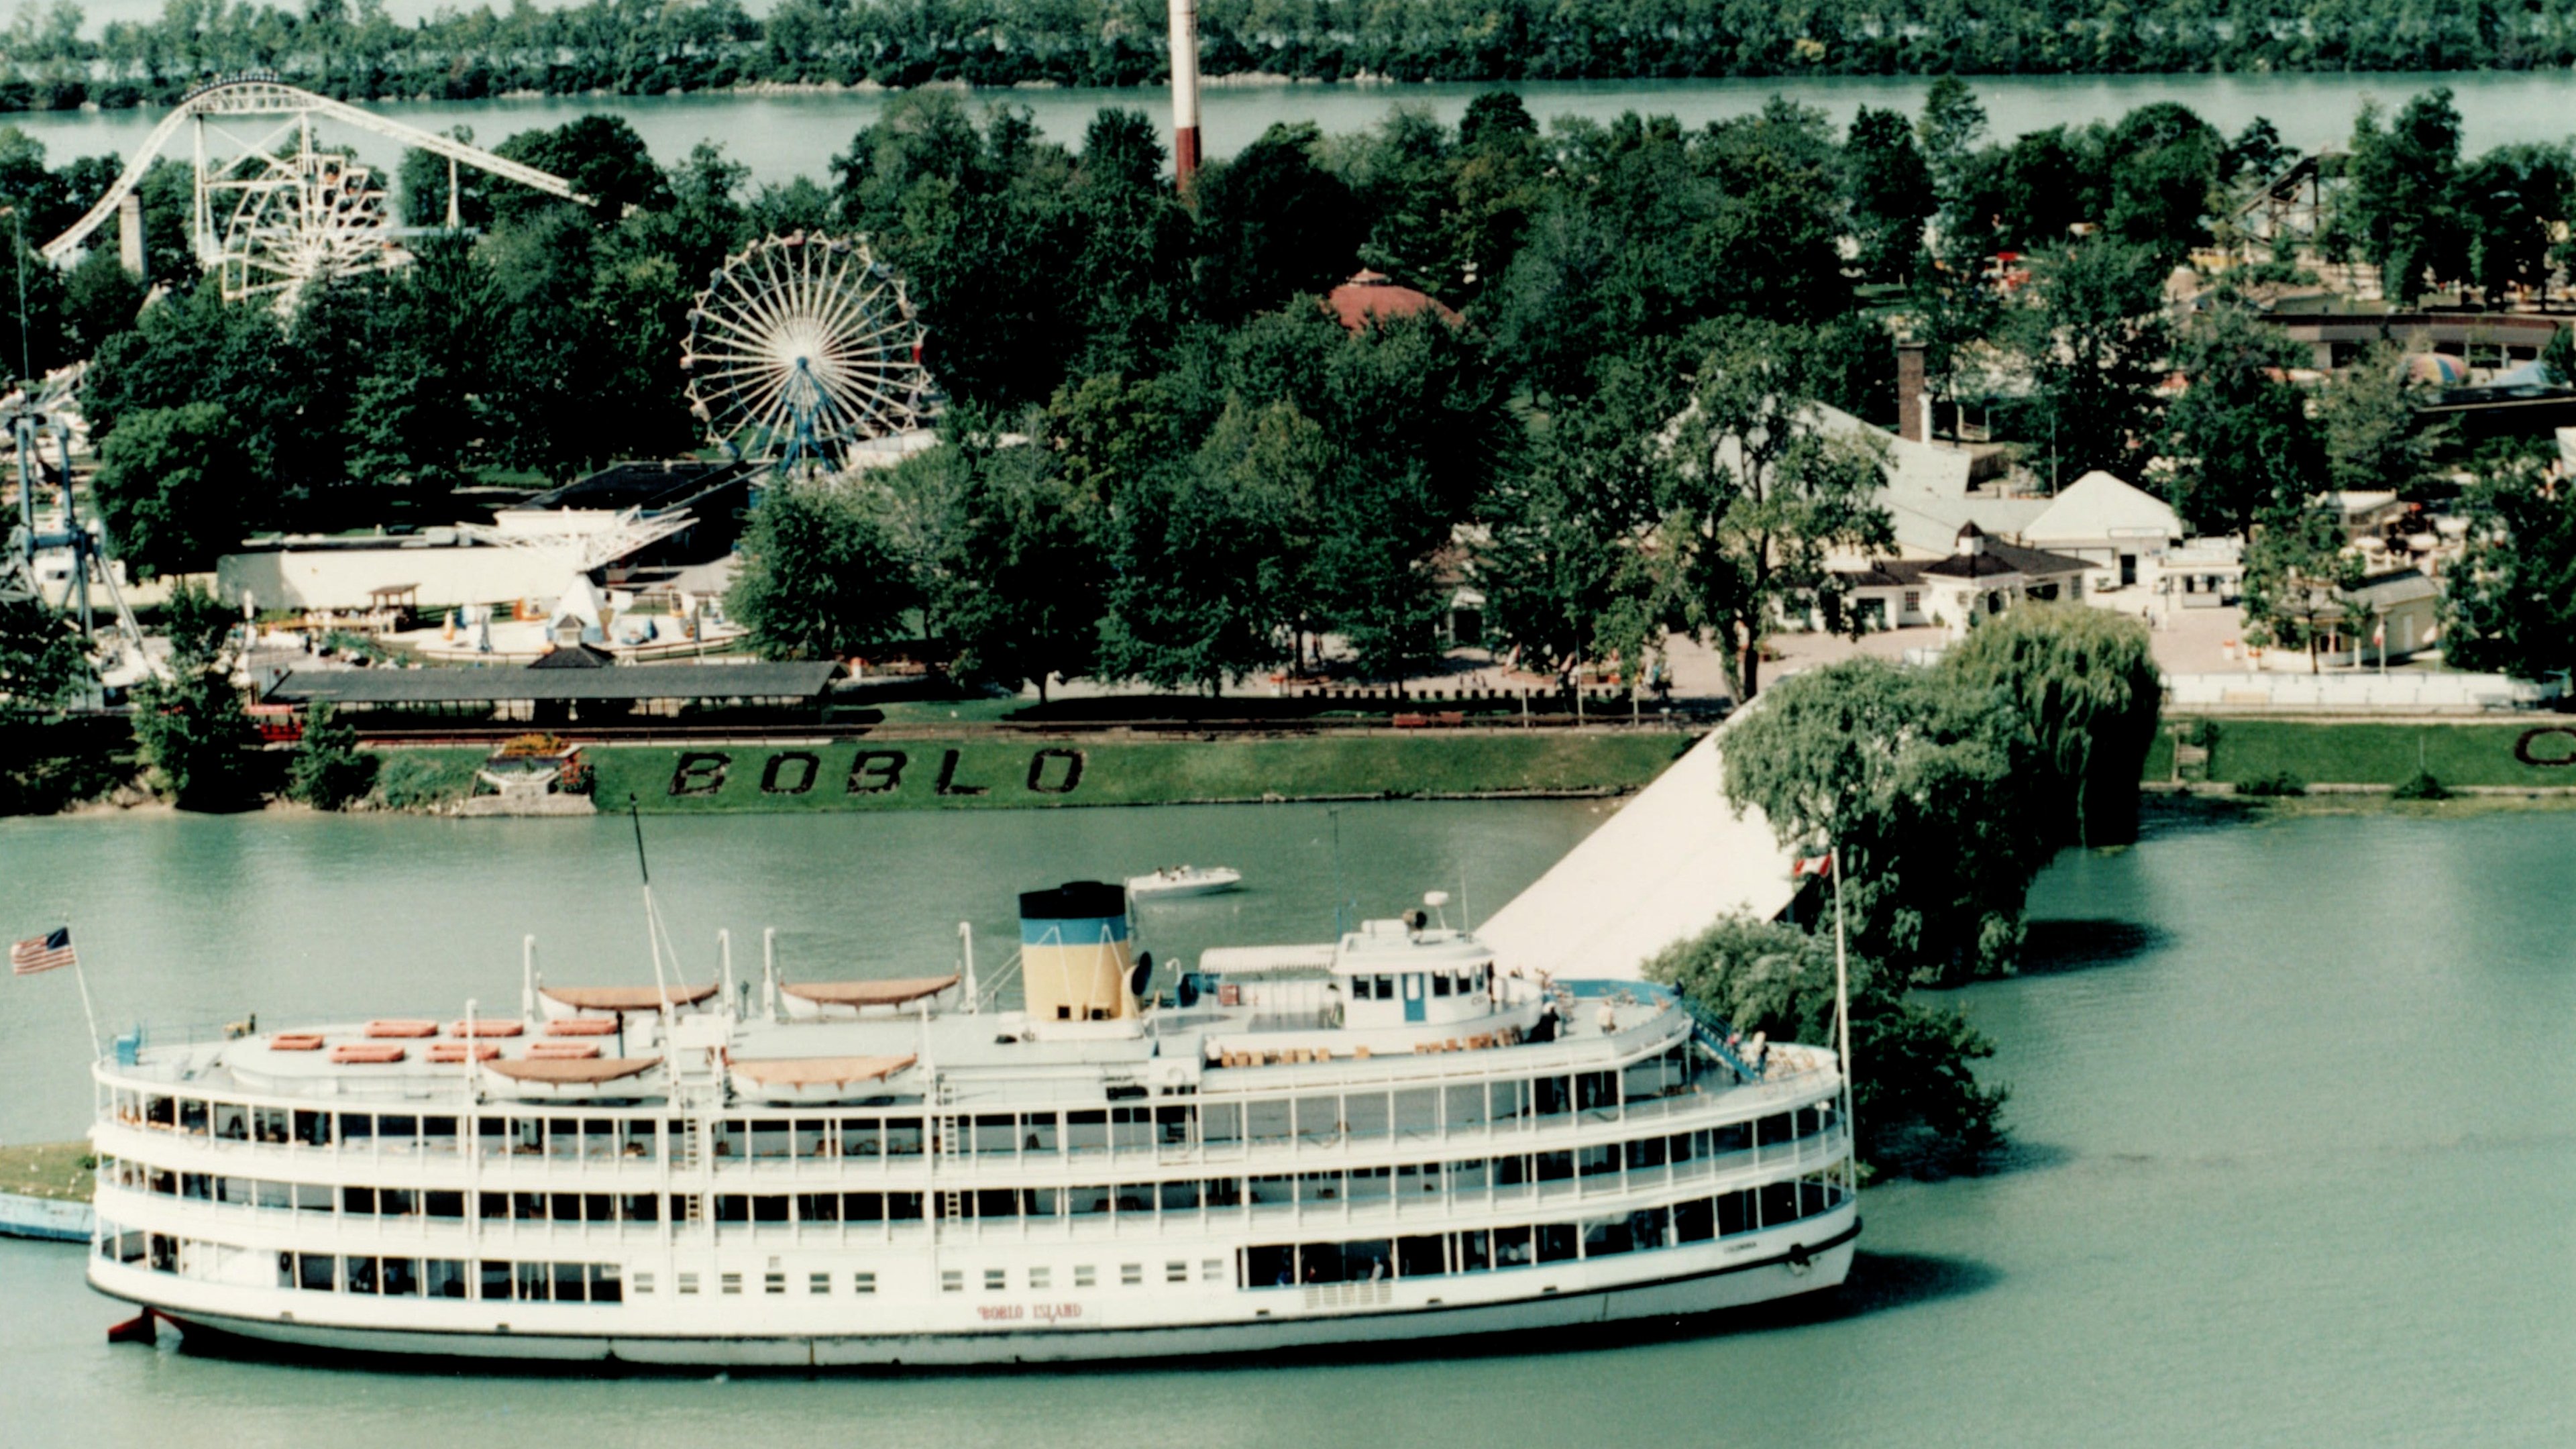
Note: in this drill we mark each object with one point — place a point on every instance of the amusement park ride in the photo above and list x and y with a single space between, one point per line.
801 348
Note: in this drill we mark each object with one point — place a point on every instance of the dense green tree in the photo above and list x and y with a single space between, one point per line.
328 771
1918 1108
2094 343
1273 223
2161 164
2373 438
2510 604
603 158
196 738
175 488
1201 589
2300 579
2403 187
100 299
42 664
820 573
1756 495
2085 683
2240 438
1891 193
1016 582
2509 199
1923 787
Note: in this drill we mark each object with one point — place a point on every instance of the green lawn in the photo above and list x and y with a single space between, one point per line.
987 774
2468 753
57 1170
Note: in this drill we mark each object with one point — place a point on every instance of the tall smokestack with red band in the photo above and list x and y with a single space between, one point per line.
1185 90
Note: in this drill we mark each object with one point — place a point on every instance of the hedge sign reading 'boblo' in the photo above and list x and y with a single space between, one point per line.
1053 771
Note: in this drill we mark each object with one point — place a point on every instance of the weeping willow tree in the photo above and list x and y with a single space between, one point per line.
2085 683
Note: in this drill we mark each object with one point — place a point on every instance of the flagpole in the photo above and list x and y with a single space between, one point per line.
1842 990
80 974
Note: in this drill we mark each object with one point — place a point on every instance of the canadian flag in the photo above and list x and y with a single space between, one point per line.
1813 865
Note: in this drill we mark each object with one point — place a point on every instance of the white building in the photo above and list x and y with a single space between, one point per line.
2118 529
1980 575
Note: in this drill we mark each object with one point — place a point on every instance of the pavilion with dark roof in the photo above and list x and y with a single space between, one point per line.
1980 575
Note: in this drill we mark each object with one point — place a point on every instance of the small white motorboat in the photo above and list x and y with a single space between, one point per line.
1174 881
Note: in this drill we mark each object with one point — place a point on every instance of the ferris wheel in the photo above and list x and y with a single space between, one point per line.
802 346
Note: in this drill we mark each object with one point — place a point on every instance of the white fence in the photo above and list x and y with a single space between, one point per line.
2405 690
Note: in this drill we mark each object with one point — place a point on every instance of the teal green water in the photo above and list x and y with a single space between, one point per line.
790 135
2297 1167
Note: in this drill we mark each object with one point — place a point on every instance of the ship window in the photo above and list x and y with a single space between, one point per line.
1773 1130
1422 1257
813 1137
636 1139
1273 1190
1086 1131
313 1197
235 1190
570 1283
1176 1272
1221 1123
1548 1096
1385 987
1417 1180
1222 1192
1441 985
1086 1276
860 1137
358 1199
1135 1197
903 1136
1555 1166
232 1122
1084 1201
269 1124
1131 1275
605 1285
903 1206
952 1280
599 1139
1646 1152
997 1133
1555 1242
192 1116
1173 1124
1597 1161
1211 1270
527 1136
863 1282
160 1112
1365 1113
1131 1129
996 1279
1315 1187
1038 1132
769 1207
438 1135
165 1182
442 1278
1733 1137
1180 1196
399 1278
730 1283
1693 1222
1679 1147
1267 1121
314 1272
1597 1093
769 1140
357 1129
1778 1202
599 1207
820 1283
397 1133
1510 1100
1466 1105
818 1207
773 1283
1417 1113
1269 1267
1041 1278
1734 1213
1368 1184
733 1207
688 1285
199 1185
443 1203
997 1202
360 1274
732 1139
528 1207
1319 1119
276 1195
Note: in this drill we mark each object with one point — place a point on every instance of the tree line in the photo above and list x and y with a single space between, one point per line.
56 61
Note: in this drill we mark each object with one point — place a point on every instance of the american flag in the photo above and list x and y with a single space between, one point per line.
42 953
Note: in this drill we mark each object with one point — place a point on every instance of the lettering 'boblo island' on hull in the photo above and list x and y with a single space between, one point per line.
1379 1138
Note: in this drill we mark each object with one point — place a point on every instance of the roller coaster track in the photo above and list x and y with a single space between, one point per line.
266 95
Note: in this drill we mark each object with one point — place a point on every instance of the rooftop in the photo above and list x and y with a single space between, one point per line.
803 680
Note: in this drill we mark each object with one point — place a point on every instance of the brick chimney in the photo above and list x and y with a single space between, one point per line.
1911 421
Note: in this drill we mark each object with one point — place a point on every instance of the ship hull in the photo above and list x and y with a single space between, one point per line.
1679 1298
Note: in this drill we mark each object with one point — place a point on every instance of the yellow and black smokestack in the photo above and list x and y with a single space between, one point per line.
1075 957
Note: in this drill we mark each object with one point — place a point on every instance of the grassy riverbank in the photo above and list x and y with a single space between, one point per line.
2526 752
59 1171
983 772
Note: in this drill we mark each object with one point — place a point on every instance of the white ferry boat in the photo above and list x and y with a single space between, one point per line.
1378 1138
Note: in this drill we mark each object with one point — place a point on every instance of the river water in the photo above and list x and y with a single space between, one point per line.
783 136
2296 1115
